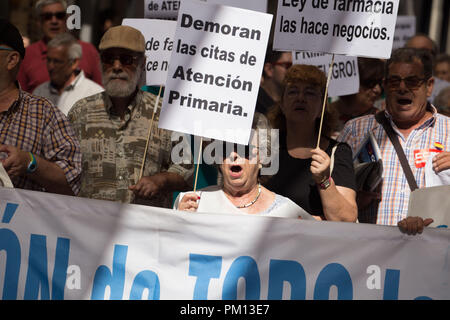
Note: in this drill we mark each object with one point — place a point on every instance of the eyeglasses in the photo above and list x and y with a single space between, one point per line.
61 15
285 65
308 93
125 59
244 151
6 49
410 82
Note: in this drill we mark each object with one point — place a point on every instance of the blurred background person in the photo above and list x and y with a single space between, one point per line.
442 67
304 173
276 64
68 83
442 102
52 21
422 41
239 190
371 72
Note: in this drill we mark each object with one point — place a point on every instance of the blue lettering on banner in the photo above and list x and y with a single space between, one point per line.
243 267
391 283
37 276
10 209
115 279
10 243
145 280
333 274
204 268
290 271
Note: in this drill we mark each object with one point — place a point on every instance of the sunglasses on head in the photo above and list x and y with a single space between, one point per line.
285 65
411 83
125 58
61 15
371 83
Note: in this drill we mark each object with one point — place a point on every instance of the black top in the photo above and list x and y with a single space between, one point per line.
264 101
294 179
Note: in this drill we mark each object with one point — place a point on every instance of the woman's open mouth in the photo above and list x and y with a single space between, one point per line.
236 171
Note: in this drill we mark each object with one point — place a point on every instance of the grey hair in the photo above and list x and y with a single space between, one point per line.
42 3
67 40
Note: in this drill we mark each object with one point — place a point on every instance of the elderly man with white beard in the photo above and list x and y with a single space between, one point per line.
112 128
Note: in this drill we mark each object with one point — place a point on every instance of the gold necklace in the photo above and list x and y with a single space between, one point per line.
253 202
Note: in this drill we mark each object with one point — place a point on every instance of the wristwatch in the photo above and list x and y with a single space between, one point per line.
326 183
32 165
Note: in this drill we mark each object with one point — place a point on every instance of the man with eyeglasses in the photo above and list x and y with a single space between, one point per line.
275 66
38 147
68 83
113 126
52 21
408 83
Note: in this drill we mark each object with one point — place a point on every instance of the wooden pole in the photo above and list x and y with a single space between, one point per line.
198 164
155 108
325 98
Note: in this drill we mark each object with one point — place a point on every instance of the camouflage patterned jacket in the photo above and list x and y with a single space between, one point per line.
113 149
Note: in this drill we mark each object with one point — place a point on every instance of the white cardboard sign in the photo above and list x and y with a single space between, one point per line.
354 28
345 75
256 5
161 9
404 30
158 36
215 71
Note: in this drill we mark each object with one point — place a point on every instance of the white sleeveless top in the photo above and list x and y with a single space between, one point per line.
213 200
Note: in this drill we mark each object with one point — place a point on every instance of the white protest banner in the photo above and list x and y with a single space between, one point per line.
256 5
158 36
405 29
432 202
161 9
215 71
345 75
60 247
354 28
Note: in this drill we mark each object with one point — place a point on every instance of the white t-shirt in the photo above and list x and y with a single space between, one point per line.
81 87
213 200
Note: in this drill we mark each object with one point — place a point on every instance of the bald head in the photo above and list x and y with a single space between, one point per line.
422 41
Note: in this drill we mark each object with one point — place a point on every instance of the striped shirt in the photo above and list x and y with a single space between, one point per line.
34 124
395 189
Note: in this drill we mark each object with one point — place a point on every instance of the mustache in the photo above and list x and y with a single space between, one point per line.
115 76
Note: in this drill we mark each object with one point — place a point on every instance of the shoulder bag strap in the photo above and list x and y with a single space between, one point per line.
381 118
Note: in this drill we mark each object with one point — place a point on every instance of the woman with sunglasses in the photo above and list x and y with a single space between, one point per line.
363 102
305 174
239 190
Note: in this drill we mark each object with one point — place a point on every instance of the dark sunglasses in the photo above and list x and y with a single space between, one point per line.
125 59
410 82
244 151
49 15
371 83
285 65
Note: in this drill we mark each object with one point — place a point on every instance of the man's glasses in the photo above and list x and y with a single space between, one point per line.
61 15
125 59
411 83
285 65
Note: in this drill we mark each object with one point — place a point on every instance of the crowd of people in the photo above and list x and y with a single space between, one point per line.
75 120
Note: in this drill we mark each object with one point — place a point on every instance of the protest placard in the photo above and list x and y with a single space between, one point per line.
256 5
345 74
354 28
158 36
405 29
161 9
215 71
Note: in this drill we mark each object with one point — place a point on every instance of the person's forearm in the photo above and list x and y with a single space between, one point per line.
336 207
171 182
50 176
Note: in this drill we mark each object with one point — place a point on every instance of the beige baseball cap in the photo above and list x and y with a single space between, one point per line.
123 37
